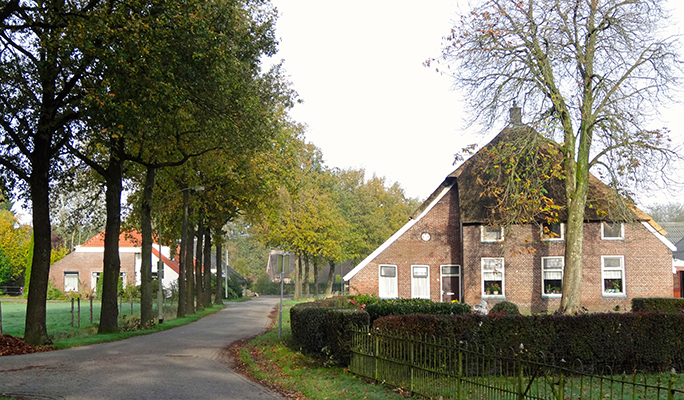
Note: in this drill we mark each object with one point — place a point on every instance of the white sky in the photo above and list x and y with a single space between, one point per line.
368 100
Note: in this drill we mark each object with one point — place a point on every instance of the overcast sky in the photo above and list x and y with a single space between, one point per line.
368 100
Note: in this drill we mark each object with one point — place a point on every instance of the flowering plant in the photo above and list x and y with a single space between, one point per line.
493 287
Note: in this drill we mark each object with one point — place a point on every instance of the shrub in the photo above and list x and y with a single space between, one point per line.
384 308
661 304
624 342
505 307
322 329
235 285
53 293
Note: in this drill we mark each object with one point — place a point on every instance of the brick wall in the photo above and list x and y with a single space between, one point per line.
85 263
647 262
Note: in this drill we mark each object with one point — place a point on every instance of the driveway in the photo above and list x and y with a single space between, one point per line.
180 363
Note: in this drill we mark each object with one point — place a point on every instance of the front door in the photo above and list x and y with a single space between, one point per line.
451 283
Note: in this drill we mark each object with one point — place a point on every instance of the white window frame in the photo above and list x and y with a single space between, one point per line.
72 274
622 231
607 272
501 272
414 286
483 234
388 287
543 280
553 239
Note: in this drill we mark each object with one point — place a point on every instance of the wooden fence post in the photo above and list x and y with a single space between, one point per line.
91 310
79 313
0 317
72 312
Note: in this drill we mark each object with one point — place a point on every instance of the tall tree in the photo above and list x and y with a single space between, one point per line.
46 69
667 212
590 71
202 87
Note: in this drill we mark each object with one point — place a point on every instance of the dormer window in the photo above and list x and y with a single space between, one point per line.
553 232
491 234
612 231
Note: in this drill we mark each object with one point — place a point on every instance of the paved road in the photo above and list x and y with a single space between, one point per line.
180 363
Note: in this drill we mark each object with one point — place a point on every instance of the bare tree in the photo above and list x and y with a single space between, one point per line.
591 73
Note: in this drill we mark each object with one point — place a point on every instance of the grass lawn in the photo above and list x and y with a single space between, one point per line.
58 319
272 359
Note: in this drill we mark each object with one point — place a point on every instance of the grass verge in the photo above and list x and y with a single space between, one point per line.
274 362
109 337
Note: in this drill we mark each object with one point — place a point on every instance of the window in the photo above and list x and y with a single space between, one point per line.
387 285
491 234
552 276
612 231
551 232
613 274
71 281
492 276
420 282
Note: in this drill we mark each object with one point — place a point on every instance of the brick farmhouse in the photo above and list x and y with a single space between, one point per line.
449 251
80 270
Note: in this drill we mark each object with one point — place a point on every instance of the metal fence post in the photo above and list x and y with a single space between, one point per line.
460 373
377 347
412 362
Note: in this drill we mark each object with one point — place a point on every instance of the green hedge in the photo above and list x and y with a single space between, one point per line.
384 308
651 342
324 327
658 304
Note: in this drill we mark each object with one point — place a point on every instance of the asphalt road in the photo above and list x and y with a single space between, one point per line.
180 363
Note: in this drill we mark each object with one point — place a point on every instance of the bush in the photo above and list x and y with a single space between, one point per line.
323 328
235 286
505 307
624 342
263 285
53 293
383 308
658 304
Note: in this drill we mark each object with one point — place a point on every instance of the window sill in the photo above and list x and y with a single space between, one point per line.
551 296
609 238
493 296
614 295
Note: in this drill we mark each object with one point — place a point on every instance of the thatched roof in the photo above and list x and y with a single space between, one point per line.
472 181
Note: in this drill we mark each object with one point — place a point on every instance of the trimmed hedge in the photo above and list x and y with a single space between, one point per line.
658 304
652 342
384 308
324 327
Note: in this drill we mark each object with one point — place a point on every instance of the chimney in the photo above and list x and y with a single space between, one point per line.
516 115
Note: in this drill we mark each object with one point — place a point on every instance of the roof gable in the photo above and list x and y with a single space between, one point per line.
129 238
603 202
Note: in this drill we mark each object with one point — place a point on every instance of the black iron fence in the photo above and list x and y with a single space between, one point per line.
442 368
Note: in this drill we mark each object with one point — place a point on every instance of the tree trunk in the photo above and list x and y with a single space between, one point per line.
218 299
146 312
298 279
207 268
315 277
189 271
199 251
574 235
35 328
182 286
109 313
306 276
331 280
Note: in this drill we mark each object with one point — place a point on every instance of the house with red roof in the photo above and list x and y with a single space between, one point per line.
80 270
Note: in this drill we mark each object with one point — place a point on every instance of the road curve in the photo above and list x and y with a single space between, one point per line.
180 363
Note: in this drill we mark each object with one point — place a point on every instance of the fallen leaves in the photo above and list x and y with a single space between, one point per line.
10 345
